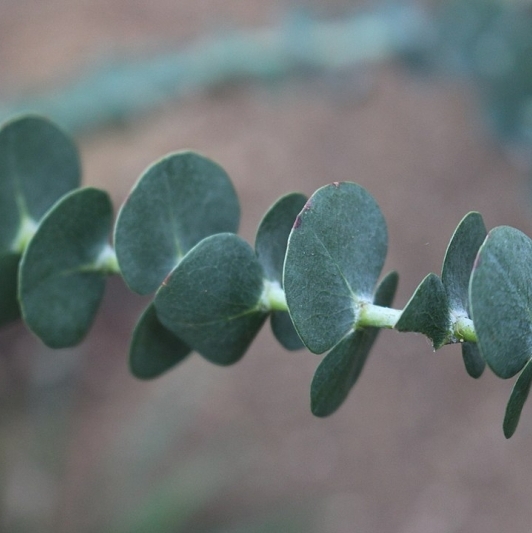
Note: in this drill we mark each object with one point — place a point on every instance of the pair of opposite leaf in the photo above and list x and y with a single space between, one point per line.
213 290
54 251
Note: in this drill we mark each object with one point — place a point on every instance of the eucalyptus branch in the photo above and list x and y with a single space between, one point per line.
315 270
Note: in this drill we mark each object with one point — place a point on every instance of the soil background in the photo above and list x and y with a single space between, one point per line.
417 447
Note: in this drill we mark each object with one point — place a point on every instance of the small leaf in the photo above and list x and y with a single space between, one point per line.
154 349
38 165
335 254
177 202
456 272
212 299
473 361
428 312
9 307
270 246
273 233
517 400
500 294
284 331
459 259
342 366
61 276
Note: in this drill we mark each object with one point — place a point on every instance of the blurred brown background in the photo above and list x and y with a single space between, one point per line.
417 448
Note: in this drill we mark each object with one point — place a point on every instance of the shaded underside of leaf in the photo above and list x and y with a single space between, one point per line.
517 400
284 331
428 312
270 245
456 273
342 366
61 284
154 349
9 306
272 236
473 361
335 254
38 164
500 293
212 299
460 258
177 202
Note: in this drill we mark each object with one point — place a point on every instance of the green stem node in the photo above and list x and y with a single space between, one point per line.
107 261
273 297
377 316
464 329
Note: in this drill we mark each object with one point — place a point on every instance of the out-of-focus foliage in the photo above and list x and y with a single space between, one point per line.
490 41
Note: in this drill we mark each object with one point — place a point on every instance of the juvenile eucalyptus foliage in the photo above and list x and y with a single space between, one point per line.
314 271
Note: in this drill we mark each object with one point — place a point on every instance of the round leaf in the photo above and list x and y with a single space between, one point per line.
459 259
273 233
212 299
342 366
270 245
61 277
428 312
177 202
335 254
38 165
9 307
500 295
154 349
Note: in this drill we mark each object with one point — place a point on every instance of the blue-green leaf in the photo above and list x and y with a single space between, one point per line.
38 164
473 361
456 272
428 312
517 400
500 295
63 270
177 202
284 331
154 349
272 236
270 245
335 254
342 366
459 259
213 299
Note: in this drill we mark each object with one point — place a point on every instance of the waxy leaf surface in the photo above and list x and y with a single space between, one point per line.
272 236
154 349
61 278
500 295
270 246
212 299
177 202
342 366
460 258
428 312
38 165
456 272
517 400
335 254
